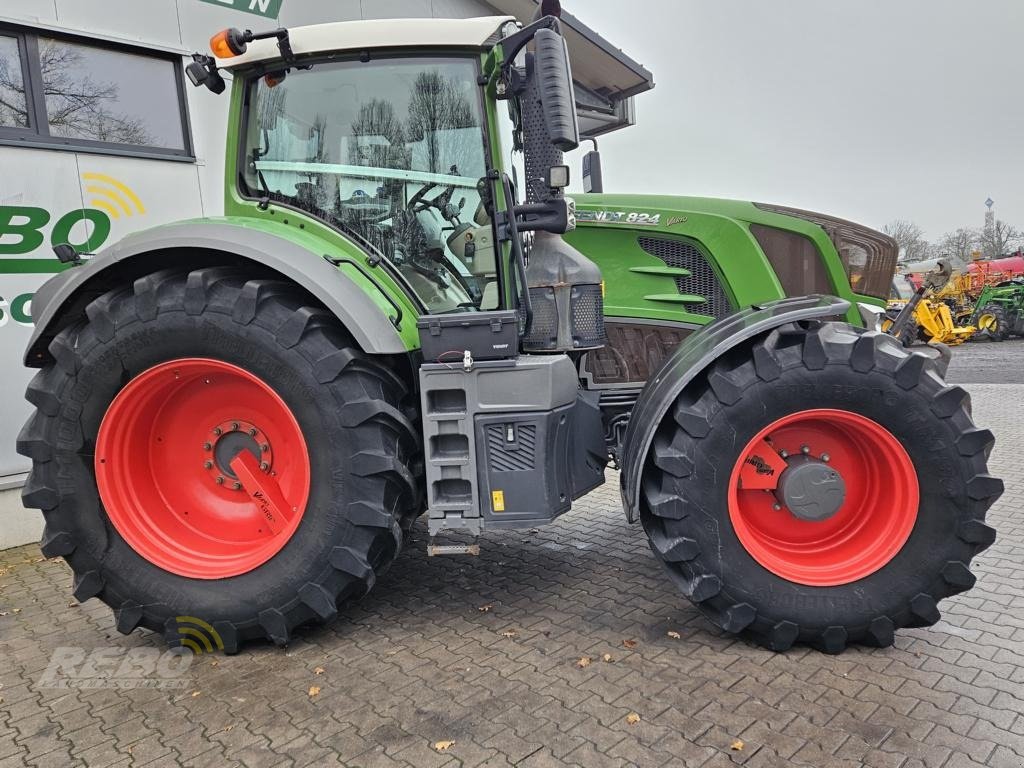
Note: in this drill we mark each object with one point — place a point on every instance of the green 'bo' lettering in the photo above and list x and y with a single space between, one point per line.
99 231
30 231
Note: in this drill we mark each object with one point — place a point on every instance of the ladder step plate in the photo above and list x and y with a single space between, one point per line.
435 550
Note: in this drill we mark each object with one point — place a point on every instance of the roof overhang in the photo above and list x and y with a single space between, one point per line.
606 78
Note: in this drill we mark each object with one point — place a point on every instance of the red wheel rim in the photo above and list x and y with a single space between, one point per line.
202 468
867 530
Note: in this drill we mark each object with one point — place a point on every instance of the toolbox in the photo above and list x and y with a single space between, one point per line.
485 335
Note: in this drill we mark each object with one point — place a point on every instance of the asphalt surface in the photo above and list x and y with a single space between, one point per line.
478 661
988 363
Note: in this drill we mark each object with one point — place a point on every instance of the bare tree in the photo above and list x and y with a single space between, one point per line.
1000 239
958 246
909 237
436 108
13 111
377 122
77 106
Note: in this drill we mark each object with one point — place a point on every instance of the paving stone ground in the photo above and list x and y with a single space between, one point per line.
420 662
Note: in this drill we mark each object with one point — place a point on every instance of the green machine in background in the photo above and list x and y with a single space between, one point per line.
999 311
239 419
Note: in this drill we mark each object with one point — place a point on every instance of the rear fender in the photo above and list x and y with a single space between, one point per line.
695 354
375 330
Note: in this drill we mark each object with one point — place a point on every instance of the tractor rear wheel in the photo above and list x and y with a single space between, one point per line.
820 486
210 447
993 324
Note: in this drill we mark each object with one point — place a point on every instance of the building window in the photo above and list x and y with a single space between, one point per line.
66 93
13 104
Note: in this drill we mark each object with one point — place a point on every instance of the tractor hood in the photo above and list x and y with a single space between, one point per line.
691 260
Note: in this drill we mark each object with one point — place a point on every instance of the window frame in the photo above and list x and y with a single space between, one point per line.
23 54
250 78
37 134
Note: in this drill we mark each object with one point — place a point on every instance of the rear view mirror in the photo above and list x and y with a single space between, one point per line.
593 181
203 71
554 81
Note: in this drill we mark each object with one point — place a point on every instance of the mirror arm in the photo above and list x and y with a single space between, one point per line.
508 230
513 83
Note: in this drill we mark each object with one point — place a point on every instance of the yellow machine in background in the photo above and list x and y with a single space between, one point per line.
932 320
935 322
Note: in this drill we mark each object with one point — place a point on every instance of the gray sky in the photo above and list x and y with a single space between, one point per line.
867 109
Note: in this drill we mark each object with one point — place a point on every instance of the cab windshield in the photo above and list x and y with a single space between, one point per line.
391 152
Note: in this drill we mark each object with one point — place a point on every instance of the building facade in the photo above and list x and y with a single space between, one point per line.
101 135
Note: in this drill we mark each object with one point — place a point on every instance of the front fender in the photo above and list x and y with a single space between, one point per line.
694 355
373 328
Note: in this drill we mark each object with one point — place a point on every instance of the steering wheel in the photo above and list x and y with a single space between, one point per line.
442 202
416 201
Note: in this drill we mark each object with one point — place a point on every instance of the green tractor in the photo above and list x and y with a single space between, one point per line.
239 419
999 311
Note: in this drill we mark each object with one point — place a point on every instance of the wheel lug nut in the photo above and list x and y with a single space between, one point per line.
805 449
234 425
264 466
207 447
826 458
238 486
265 447
220 480
252 432
784 454
217 431
208 464
777 507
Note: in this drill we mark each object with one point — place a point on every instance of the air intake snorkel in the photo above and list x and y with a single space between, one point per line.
564 285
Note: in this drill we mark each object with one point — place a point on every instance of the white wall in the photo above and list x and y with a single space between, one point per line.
170 190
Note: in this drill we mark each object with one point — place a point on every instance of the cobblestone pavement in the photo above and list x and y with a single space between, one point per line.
484 653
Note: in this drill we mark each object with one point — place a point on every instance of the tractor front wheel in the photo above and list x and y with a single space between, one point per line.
993 324
212 450
820 486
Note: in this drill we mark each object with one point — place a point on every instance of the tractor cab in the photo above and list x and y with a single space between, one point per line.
389 150
432 145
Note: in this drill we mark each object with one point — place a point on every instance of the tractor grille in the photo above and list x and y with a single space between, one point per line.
518 457
795 259
702 280
544 326
587 316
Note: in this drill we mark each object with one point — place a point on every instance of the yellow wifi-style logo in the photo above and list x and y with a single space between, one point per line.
113 196
198 635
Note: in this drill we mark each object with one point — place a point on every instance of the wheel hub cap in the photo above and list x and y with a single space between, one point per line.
810 489
227 440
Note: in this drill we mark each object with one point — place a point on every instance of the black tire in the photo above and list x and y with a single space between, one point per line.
911 331
1001 330
365 453
911 334
684 506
